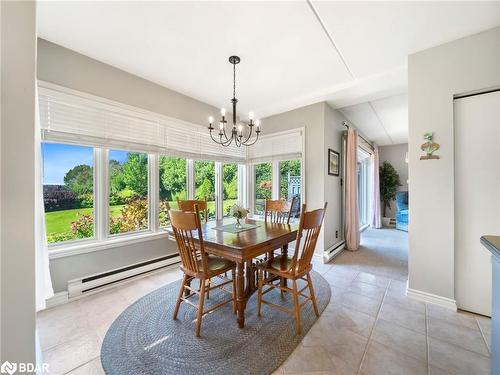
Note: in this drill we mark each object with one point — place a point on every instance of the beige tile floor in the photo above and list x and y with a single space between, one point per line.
369 327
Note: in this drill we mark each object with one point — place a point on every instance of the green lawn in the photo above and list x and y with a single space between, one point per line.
60 221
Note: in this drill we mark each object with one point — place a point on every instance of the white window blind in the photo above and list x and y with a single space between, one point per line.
77 118
277 146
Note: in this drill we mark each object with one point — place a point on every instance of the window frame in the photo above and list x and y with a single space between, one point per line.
275 180
103 240
78 241
151 199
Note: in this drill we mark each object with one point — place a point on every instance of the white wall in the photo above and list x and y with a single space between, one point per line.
434 77
67 68
18 54
395 154
323 130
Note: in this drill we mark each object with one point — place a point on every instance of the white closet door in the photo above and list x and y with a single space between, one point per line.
477 197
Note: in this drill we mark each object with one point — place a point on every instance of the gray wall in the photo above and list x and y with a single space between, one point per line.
434 77
18 56
323 130
333 189
67 68
395 154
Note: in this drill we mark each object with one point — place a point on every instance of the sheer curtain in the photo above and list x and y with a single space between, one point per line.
376 217
42 273
351 194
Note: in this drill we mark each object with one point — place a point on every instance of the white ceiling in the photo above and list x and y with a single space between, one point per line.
293 53
384 121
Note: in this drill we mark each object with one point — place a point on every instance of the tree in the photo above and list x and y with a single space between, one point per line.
263 180
286 167
205 190
135 173
230 181
389 183
116 183
80 179
172 177
204 179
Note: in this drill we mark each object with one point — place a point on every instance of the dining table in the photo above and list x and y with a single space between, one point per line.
244 246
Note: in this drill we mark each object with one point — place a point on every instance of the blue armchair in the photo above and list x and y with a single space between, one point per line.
402 210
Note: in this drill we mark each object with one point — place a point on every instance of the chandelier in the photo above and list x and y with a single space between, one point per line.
240 134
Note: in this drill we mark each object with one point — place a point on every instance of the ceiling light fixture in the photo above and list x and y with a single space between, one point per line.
238 135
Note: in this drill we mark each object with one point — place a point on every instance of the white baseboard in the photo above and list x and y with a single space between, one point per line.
419 295
333 251
57 299
63 297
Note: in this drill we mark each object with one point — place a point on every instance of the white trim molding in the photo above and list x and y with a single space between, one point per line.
419 295
57 299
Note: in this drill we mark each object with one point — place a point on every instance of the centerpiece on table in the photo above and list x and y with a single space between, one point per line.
238 213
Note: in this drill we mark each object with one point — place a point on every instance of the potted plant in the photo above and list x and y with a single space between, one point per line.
389 183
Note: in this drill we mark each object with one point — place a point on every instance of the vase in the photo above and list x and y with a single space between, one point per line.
238 223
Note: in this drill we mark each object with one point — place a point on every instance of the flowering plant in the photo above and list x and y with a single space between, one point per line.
238 212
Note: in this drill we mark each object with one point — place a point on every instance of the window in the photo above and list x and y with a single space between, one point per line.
363 186
173 185
290 179
204 186
229 186
128 191
68 192
263 186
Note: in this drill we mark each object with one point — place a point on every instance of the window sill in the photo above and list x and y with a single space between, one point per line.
62 251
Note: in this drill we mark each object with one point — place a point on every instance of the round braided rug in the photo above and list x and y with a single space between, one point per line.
145 339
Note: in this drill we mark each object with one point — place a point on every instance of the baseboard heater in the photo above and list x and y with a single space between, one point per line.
333 251
92 283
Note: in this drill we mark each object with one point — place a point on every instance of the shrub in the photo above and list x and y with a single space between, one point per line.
58 197
83 226
86 200
133 216
60 237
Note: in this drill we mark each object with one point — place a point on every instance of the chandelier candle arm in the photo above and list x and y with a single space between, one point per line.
238 130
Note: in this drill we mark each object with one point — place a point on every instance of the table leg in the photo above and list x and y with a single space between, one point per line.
240 293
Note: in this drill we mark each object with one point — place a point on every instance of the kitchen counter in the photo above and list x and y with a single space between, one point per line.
492 243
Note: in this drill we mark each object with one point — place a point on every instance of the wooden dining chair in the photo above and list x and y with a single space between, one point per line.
197 264
278 211
187 205
297 267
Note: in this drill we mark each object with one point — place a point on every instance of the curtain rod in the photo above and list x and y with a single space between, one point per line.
360 136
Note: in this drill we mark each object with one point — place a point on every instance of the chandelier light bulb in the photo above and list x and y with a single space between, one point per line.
210 119
250 115
240 128
223 111
221 125
257 122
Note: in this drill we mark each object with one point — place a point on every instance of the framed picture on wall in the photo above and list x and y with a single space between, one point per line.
333 163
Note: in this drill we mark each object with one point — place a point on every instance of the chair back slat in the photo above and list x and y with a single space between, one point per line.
278 211
307 235
192 252
187 205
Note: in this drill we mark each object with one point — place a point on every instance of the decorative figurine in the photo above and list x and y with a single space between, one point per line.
429 147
